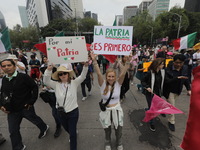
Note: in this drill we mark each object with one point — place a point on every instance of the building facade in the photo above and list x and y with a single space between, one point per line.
144 5
192 5
128 12
2 22
23 16
41 12
119 20
157 7
77 8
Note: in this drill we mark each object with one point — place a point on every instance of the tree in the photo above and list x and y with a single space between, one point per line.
24 37
168 23
87 24
58 25
142 25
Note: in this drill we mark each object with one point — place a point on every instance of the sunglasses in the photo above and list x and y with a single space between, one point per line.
63 73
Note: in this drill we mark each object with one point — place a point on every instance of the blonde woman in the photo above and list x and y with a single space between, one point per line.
113 113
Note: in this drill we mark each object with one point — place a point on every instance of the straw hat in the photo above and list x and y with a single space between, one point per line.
11 57
62 69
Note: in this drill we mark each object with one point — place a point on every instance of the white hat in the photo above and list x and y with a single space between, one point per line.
10 56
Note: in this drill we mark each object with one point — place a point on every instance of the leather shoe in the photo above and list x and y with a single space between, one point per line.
57 133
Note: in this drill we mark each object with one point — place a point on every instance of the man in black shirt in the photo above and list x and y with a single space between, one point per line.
22 93
178 71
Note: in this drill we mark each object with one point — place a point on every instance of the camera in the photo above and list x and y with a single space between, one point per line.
61 109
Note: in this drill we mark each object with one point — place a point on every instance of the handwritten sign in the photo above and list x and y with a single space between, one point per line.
146 66
66 49
113 40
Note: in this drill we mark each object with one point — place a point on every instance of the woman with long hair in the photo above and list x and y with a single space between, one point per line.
110 93
153 82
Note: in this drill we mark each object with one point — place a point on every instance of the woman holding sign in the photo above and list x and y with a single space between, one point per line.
110 94
66 97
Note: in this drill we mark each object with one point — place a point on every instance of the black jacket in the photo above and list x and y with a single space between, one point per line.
177 85
24 89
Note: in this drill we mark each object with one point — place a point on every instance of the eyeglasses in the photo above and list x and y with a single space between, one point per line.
63 73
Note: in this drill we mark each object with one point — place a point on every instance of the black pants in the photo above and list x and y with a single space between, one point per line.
14 121
55 114
89 86
125 86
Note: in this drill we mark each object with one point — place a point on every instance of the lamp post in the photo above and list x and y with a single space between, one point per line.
179 25
151 34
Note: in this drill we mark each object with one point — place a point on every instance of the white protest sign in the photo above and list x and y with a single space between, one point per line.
113 40
66 49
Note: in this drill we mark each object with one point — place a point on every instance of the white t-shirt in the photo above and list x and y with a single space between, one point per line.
22 65
116 93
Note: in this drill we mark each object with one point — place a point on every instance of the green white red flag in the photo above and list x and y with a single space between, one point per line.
185 41
5 44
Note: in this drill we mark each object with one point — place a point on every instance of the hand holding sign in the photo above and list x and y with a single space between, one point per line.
66 49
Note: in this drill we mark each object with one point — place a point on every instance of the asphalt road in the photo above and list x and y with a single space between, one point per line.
136 134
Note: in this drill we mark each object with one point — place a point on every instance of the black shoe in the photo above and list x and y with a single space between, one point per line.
57 133
163 115
43 133
2 141
152 128
171 126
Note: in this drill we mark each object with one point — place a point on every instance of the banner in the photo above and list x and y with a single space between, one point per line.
113 40
66 49
160 106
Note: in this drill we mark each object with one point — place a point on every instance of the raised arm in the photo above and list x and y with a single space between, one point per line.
96 66
124 70
47 77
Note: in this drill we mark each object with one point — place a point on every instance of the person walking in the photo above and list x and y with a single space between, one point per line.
110 89
88 80
153 83
51 93
177 71
18 95
126 82
66 97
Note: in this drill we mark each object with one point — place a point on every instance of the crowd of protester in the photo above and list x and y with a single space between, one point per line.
167 74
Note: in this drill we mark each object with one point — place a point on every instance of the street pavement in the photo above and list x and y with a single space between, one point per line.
136 134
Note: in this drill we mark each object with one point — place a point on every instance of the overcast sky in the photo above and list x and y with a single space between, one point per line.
106 9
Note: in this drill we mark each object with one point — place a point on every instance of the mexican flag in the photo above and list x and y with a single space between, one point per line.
5 44
185 41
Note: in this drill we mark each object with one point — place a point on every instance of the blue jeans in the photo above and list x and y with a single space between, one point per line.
14 121
69 122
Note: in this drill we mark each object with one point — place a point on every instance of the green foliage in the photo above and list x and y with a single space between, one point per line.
20 34
166 24
87 24
142 27
56 26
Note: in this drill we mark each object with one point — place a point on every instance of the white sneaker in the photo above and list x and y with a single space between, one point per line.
84 98
120 147
90 93
108 147
24 147
131 83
